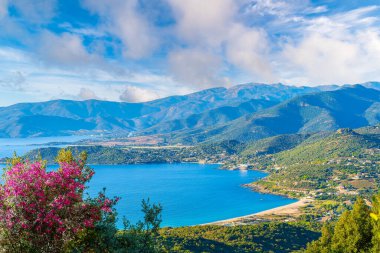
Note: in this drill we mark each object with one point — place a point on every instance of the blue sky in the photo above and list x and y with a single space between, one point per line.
138 50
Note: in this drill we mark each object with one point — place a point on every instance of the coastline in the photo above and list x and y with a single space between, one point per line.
289 209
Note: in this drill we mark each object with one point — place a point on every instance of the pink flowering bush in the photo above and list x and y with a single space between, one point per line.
43 211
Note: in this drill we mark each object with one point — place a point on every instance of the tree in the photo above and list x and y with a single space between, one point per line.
375 214
142 237
139 238
353 231
323 244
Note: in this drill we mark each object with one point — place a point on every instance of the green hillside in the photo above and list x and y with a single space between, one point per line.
344 163
344 143
274 144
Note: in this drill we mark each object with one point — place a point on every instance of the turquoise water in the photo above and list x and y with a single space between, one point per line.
22 145
189 193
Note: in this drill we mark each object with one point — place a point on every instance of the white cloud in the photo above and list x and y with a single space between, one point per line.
273 7
65 49
215 36
203 22
86 93
324 60
134 94
279 16
196 67
13 64
28 81
341 24
13 81
281 8
343 48
13 55
204 44
248 49
122 19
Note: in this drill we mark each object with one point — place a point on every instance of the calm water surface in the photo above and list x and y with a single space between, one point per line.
189 193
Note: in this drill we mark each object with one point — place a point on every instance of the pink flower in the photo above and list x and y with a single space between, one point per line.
34 202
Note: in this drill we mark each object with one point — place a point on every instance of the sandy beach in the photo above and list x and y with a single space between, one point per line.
289 210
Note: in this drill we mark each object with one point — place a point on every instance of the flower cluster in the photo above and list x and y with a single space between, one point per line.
39 206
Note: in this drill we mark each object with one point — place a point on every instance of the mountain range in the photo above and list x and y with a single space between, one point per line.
242 112
347 107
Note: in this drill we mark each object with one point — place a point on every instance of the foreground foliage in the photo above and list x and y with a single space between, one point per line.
47 211
356 231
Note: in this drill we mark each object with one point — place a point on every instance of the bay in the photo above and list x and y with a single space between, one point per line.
190 194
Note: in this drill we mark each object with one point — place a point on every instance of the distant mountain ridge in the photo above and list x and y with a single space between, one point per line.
62 117
350 106
215 110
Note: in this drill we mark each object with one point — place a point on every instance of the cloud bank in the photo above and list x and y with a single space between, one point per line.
136 50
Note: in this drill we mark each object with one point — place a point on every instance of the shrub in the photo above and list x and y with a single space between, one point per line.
41 210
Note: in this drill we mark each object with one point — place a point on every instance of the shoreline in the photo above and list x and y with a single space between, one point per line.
289 209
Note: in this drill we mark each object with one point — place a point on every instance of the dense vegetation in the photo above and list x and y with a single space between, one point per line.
339 164
265 237
344 143
356 230
115 155
274 144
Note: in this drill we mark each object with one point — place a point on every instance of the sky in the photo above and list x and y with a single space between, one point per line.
140 50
